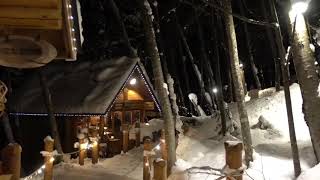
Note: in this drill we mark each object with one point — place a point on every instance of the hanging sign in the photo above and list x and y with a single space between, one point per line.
25 52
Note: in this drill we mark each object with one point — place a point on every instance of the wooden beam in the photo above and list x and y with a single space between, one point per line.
32 13
31 23
32 3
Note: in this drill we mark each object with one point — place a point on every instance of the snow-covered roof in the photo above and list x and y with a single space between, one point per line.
77 88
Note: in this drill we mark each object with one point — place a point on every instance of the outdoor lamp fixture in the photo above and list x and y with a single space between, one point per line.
133 81
299 7
214 90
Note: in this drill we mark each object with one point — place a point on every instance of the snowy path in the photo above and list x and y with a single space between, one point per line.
120 167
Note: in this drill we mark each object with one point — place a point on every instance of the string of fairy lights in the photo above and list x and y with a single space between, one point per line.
40 171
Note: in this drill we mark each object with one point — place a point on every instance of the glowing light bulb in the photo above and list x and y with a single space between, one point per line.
147 124
158 147
51 159
214 90
39 171
298 8
133 81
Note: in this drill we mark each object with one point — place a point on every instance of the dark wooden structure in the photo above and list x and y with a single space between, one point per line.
48 25
90 95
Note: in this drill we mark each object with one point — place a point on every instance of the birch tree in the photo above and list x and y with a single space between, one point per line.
152 50
304 60
237 81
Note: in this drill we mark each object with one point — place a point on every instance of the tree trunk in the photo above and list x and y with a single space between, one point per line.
286 85
236 73
194 66
185 75
304 60
271 39
169 80
216 54
115 11
7 128
248 47
152 50
49 107
206 63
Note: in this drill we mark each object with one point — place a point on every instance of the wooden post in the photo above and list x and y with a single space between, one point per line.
163 148
125 140
1 169
146 168
160 169
82 150
138 141
95 147
48 160
11 157
112 122
147 147
234 156
101 126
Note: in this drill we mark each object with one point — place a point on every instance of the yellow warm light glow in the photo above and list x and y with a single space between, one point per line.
83 146
133 81
132 95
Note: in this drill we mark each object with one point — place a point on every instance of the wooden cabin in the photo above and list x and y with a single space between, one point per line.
34 32
89 94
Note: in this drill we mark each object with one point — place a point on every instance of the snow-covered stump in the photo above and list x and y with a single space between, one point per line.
159 169
164 153
82 148
125 141
233 158
147 148
138 134
48 160
11 157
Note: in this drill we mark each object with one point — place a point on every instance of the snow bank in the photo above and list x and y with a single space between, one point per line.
147 129
311 174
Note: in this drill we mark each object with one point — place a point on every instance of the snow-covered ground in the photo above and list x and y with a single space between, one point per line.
272 157
202 146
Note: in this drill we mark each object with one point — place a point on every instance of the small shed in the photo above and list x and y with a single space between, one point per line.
89 89
94 91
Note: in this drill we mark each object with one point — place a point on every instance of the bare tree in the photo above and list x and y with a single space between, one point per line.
271 39
307 76
116 12
286 83
237 81
50 110
152 50
248 47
